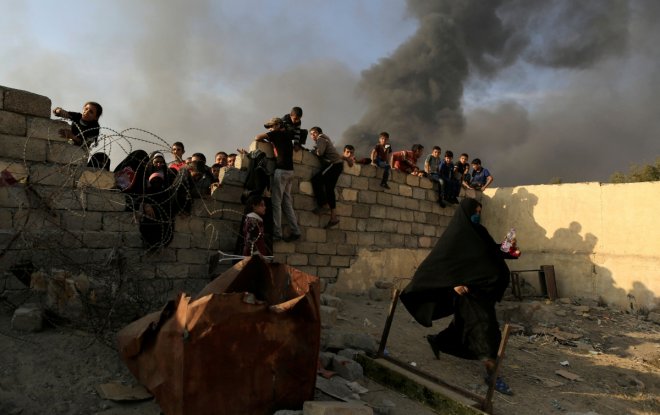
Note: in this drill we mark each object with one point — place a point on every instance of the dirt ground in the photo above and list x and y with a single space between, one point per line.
616 356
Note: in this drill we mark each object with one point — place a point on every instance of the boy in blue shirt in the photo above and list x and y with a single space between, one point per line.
480 178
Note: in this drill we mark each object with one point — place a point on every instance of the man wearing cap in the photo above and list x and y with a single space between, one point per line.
281 184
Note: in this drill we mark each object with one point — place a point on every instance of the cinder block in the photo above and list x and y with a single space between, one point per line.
305 188
97 178
232 176
417 229
367 197
360 183
327 272
349 195
419 193
327 248
366 239
13 196
27 318
22 148
319 260
383 240
6 222
192 256
25 102
103 200
405 191
46 128
340 261
411 241
378 211
12 123
265 147
328 316
64 153
52 175
81 220
413 180
344 209
60 198
426 242
374 225
413 204
242 162
18 170
180 241
102 239
426 206
297 260
315 235
344 181
302 248
347 224
426 184
354 170
228 193
303 172
310 159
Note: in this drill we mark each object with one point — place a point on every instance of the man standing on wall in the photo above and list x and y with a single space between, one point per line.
281 139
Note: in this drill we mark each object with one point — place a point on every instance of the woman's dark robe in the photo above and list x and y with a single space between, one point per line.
464 255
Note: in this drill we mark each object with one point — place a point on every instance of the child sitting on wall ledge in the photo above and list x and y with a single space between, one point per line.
84 126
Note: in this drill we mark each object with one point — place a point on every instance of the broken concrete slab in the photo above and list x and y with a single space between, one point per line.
335 408
347 368
28 317
117 391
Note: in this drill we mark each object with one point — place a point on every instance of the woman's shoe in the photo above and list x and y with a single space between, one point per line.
500 385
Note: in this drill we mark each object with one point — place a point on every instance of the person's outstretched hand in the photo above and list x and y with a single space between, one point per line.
461 289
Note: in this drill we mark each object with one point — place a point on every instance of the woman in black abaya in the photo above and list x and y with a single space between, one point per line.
464 275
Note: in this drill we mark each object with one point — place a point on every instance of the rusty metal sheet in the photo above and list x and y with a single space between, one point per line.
248 343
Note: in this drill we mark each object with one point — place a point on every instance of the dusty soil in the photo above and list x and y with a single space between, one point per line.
616 356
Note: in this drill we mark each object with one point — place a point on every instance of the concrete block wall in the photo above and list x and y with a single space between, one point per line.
63 215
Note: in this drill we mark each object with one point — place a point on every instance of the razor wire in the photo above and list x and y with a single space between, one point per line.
39 224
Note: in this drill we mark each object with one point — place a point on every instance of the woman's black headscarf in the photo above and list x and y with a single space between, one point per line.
464 255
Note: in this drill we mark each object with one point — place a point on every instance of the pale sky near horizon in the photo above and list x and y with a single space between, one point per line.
209 73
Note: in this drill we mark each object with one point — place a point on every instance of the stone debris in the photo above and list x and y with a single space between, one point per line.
380 294
549 383
116 391
332 301
28 317
328 316
347 368
568 375
335 408
384 284
654 317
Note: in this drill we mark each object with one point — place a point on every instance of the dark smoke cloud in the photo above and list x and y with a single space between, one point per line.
586 62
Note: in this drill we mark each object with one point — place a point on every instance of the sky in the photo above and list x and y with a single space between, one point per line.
538 90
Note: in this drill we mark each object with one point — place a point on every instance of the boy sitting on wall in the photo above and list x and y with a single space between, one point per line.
84 126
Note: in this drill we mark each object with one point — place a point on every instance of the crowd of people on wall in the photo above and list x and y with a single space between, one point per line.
463 275
159 191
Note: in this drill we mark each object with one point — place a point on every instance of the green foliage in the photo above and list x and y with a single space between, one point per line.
555 180
637 173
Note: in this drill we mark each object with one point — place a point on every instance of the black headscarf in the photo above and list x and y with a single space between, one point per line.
465 254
